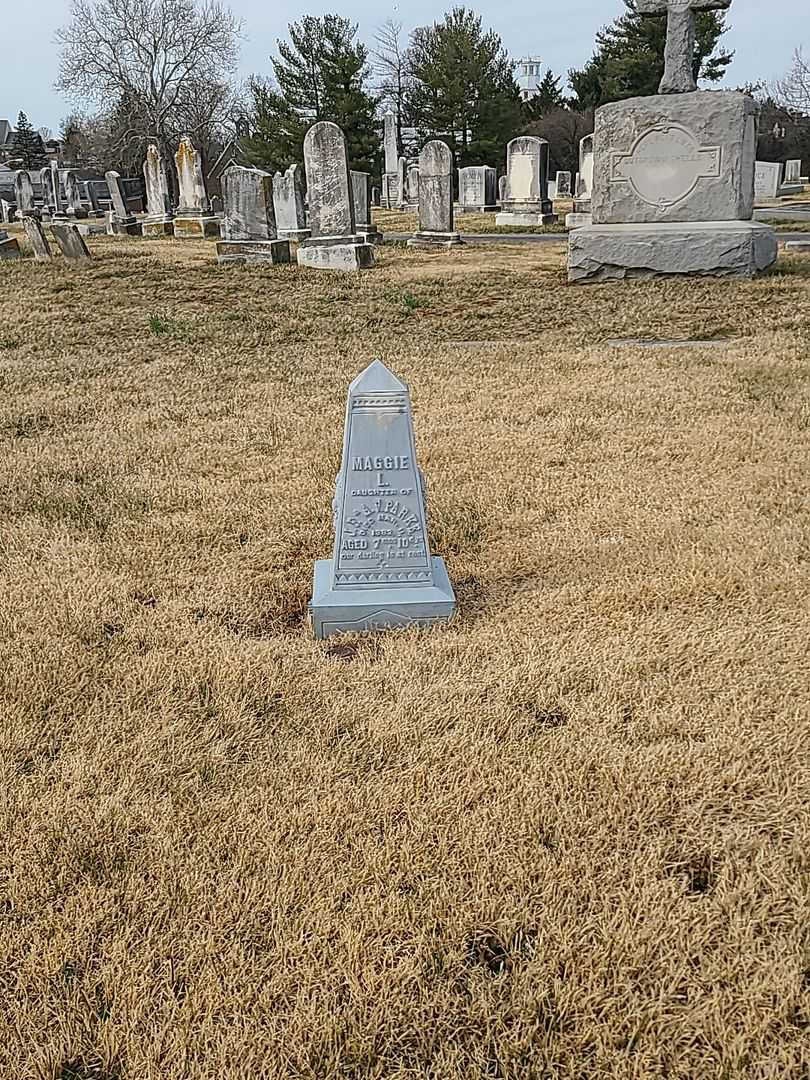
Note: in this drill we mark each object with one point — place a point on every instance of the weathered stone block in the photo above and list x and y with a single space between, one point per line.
196 228
346 257
250 252
9 246
675 158
153 230
525 218
720 249
71 243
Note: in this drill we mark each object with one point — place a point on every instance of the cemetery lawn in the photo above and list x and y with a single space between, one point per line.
566 836
398 221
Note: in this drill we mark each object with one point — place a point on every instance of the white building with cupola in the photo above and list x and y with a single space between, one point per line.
528 71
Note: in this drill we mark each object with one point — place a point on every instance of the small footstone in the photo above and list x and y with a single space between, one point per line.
382 574
797 245
71 243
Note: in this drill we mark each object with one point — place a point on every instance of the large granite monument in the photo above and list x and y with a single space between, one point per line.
249 220
673 188
159 220
194 218
334 243
525 198
435 198
381 574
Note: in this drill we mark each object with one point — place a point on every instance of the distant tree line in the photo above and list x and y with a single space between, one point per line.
151 70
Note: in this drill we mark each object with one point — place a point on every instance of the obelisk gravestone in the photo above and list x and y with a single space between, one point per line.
381 574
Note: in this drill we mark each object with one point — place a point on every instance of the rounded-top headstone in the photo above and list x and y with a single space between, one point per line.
326 160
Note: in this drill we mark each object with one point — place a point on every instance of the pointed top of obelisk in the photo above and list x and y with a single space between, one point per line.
377 379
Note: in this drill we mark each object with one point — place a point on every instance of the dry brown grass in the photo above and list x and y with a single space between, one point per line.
564 837
397 221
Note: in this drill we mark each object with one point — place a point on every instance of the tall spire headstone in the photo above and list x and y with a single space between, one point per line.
381 573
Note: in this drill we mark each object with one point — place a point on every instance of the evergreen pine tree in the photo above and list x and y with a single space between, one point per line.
629 57
320 74
464 88
29 149
549 96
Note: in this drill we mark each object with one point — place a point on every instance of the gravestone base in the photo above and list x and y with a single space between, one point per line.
798 245
157 228
77 214
91 228
428 240
251 252
707 248
344 253
465 209
791 189
370 233
577 220
295 235
344 611
523 218
126 227
9 247
196 227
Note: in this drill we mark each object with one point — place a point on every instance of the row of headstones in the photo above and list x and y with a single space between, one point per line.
772 178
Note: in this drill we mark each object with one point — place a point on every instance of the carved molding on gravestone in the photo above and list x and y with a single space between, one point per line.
526 200
648 167
381 573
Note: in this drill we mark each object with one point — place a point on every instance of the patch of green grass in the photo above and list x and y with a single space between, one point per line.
165 325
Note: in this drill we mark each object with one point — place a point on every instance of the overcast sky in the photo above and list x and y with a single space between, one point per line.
561 33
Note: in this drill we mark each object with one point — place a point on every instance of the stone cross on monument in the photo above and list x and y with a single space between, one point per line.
680 46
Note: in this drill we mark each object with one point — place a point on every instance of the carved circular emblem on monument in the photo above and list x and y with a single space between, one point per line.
665 164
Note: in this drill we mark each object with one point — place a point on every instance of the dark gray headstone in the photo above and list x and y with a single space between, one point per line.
248 204
117 196
361 189
381 574
436 188
71 243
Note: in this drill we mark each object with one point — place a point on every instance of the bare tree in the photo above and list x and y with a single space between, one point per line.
159 63
392 70
793 92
